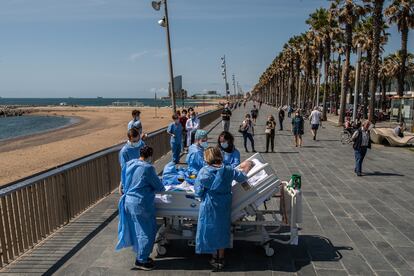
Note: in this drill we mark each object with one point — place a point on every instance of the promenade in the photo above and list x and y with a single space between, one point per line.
352 225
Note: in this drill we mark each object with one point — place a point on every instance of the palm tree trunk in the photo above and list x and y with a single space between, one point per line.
326 85
345 75
375 56
401 75
383 92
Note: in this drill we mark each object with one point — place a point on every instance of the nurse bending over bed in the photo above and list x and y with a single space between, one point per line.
213 186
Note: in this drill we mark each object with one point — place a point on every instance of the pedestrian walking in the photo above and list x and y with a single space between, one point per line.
315 120
289 110
260 104
225 117
254 113
247 129
270 133
175 130
298 128
244 104
281 116
362 143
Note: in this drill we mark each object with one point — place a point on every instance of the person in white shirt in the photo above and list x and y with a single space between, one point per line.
315 120
191 126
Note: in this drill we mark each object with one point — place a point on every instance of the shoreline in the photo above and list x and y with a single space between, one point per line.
92 129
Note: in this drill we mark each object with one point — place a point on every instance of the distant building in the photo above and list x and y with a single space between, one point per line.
207 95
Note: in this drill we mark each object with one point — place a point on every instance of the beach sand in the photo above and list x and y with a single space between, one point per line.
95 128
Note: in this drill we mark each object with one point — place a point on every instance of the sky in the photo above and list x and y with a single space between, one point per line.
115 48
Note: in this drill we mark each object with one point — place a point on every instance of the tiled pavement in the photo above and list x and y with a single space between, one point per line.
352 225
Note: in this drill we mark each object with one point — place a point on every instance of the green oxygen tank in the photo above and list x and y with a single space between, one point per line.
295 182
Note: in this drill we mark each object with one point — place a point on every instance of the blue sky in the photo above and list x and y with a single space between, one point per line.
115 48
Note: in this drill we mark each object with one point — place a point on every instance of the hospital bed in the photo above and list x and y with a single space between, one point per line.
177 211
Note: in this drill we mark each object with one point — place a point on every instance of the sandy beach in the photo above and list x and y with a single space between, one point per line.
94 129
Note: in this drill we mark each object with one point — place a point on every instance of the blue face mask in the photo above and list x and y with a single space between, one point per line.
204 145
224 145
134 144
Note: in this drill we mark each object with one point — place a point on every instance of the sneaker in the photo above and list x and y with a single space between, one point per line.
359 174
149 265
218 264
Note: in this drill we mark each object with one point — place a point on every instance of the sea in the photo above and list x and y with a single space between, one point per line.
14 127
97 101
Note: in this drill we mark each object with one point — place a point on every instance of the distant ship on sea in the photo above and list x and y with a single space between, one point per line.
99 97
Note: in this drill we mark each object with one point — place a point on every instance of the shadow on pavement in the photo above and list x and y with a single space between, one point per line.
246 256
376 173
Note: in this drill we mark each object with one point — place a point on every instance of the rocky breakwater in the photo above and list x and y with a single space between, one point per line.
10 111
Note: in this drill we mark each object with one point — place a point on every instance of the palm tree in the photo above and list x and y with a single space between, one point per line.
324 25
376 7
401 12
348 13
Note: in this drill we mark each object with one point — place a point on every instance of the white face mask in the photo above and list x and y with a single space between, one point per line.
134 144
224 145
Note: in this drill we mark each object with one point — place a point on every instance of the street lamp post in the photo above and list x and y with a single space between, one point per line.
165 22
234 86
224 74
354 113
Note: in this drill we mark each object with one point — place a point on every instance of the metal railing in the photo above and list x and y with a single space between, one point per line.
33 208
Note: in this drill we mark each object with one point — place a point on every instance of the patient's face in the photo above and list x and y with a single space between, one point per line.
245 166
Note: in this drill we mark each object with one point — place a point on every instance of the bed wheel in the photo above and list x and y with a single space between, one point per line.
269 251
161 250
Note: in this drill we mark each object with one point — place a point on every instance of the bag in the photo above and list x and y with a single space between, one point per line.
268 131
243 129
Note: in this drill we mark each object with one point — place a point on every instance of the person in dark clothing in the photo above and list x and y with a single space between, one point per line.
298 128
260 104
225 117
270 133
183 121
281 116
362 143
247 130
254 113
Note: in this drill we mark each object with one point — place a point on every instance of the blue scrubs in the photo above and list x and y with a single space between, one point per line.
129 152
231 158
135 124
137 223
213 186
175 141
195 158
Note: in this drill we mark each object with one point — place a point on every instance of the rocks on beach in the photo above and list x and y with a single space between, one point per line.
10 111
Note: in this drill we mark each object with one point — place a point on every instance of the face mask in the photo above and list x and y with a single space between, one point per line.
176 121
204 145
134 144
224 145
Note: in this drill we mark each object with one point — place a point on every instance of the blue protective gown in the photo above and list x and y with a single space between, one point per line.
195 158
175 141
127 153
231 158
213 186
137 223
136 124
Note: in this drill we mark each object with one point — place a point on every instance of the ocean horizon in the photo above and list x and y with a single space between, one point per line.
96 101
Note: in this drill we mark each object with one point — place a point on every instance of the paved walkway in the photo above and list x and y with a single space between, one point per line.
352 225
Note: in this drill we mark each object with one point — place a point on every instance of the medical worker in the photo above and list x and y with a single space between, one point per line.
175 130
231 156
192 125
137 224
213 186
130 150
136 121
195 158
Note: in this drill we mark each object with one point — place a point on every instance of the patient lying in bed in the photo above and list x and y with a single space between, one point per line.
250 167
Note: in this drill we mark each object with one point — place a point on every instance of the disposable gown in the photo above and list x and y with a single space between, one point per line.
175 141
129 152
137 224
231 158
195 158
213 186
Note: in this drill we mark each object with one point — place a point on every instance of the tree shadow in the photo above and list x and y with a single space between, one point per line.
246 256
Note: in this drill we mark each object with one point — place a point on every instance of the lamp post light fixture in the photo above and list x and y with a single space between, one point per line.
224 74
165 23
354 113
